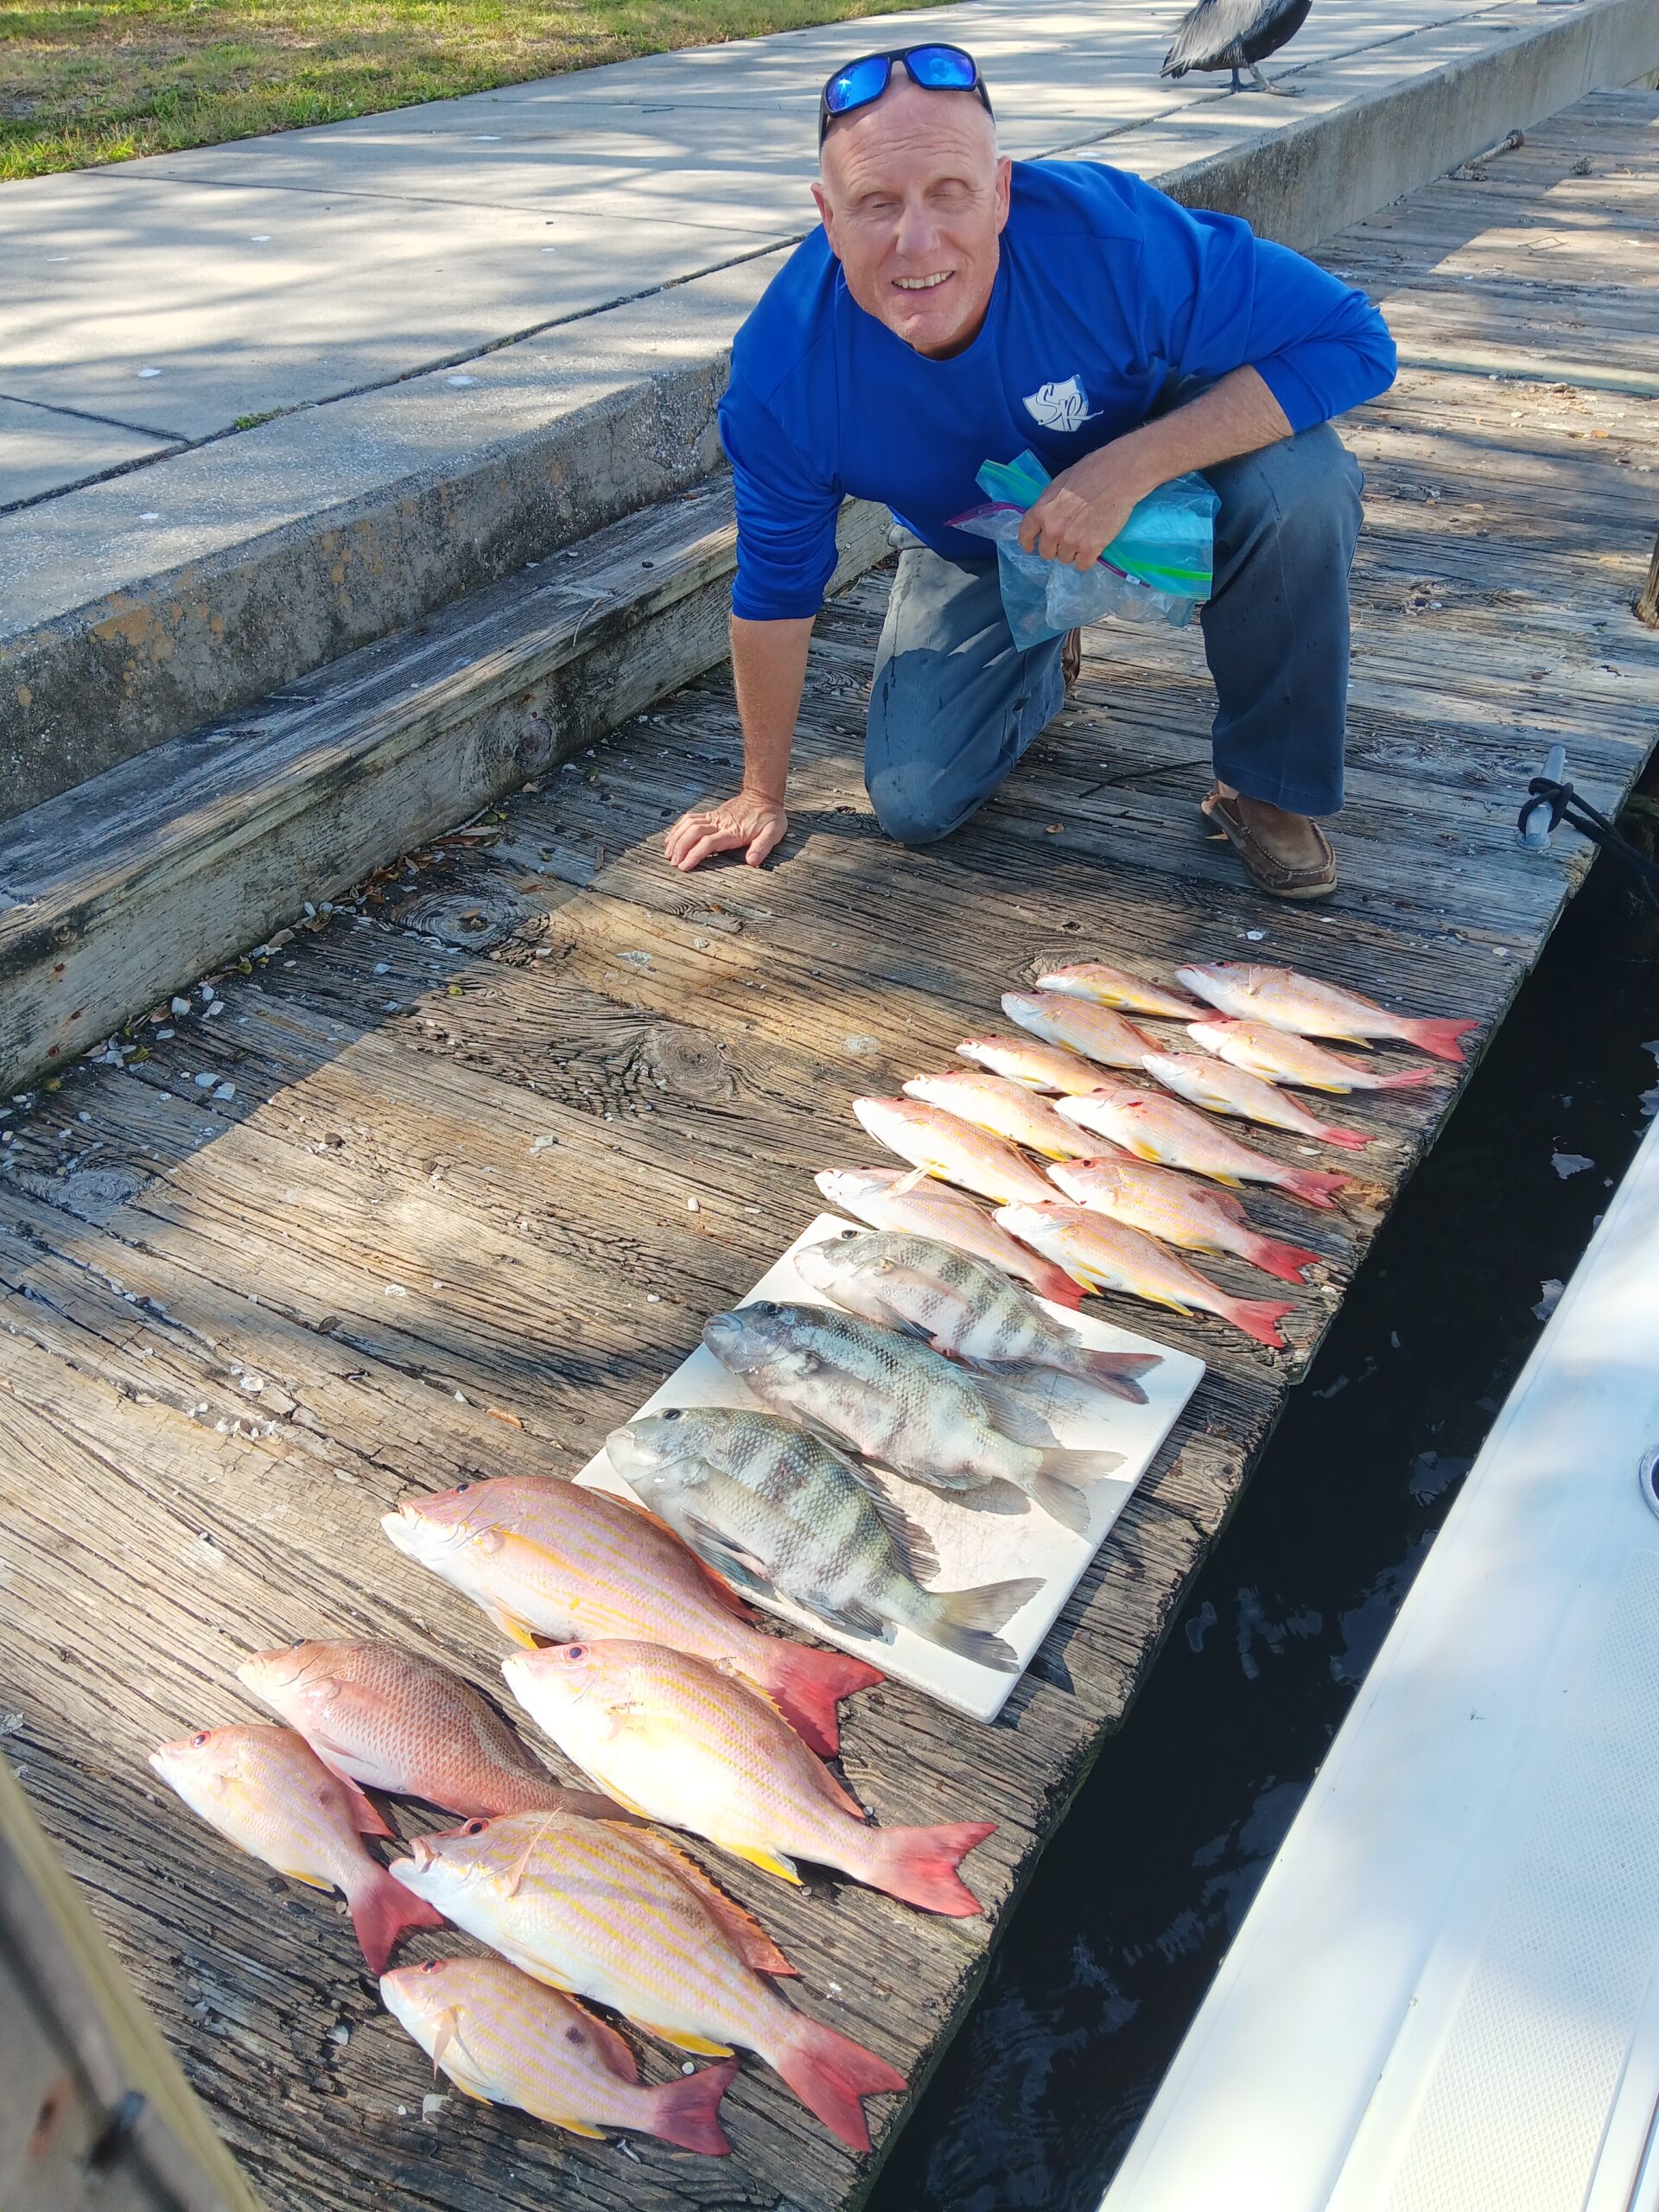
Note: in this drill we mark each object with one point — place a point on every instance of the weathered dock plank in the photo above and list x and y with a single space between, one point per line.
444 1226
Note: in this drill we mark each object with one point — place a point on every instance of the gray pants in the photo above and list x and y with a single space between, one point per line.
955 701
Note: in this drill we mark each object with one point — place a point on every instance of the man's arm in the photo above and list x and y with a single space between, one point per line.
1087 504
769 670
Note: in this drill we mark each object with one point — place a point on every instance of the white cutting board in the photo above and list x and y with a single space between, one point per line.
973 1547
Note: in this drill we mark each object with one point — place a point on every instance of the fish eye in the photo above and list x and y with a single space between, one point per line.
462 1489
430 1965
846 1235
198 1740
298 1644
673 1413
475 1827
576 1651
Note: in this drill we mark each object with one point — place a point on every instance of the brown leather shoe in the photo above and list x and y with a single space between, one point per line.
1269 870
1072 656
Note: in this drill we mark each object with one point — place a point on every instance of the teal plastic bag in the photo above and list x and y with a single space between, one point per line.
1158 568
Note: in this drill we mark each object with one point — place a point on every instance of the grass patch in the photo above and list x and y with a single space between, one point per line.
103 80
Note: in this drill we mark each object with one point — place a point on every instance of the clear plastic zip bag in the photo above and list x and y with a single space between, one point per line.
1158 568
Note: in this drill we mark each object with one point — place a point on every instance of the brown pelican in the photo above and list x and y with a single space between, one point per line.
1236 34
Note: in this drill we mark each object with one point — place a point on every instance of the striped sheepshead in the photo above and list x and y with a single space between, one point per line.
507 2040
685 1744
620 1916
960 1307
902 1404
771 1506
888 1199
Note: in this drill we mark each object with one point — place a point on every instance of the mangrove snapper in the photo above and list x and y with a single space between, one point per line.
507 2040
1286 1001
1177 1210
1154 1126
890 1198
1220 1088
620 1916
960 1307
391 1720
1028 1060
1006 1108
682 1743
267 1792
770 1505
1093 979
1113 1257
1079 1025
542 1557
900 1404
929 1137
1283 1056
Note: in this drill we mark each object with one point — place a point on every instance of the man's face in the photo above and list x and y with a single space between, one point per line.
913 199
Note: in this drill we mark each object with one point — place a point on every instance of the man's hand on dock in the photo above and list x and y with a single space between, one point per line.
749 820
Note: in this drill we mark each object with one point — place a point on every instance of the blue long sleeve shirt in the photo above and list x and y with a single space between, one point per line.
1105 288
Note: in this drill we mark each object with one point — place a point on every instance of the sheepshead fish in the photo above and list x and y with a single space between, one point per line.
1093 979
1029 1061
507 2040
1286 1001
1221 1089
1154 1126
391 1720
770 1505
897 1402
544 1558
889 1197
267 1792
1079 1025
682 1743
1282 1057
1113 1257
960 1307
1006 1108
945 1145
620 1916
1177 1210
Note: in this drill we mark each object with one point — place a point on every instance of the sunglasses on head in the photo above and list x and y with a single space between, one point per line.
935 68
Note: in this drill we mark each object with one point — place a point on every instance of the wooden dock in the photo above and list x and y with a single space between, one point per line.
503 1128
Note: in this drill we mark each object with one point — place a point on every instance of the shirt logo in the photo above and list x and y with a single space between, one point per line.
1059 406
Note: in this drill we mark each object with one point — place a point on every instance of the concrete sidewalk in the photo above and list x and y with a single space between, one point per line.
166 301
264 403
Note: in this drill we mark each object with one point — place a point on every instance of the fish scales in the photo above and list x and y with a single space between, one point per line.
1079 1025
1288 1000
1113 1256
886 1199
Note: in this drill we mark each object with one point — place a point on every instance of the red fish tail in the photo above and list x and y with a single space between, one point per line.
687 2113
808 1686
1318 1186
382 1911
919 1865
1287 1262
828 2072
1350 1139
1438 1037
1259 1318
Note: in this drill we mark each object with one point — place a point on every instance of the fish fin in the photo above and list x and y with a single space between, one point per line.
1220 1175
830 2073
311 1881
613 2049
1350 1139
687 2113
770 1862
717 1551
1018 1399
851 1616
561 2120
685 2039
911 1537
466 2090
1288 1263
919 1865
1056 1486
448 2025
839 1796
1259 1318
1141 1150
807 1684
509 1624
1318 1186
363 1811
966 1621
1120 1372
1438 1036
382 1911
747 1936
911 1180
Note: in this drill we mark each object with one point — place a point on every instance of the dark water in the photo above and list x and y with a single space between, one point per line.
1111 1951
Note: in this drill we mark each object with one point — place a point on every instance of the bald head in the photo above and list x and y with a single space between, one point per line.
913 198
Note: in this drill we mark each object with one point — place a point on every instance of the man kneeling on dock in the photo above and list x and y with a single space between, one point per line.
956 308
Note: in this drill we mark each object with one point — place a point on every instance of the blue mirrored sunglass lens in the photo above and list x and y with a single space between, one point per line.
856 85
941 68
